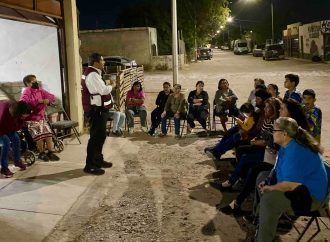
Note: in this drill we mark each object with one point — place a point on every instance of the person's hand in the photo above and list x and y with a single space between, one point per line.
266 188
163 114
46 101
177 115
261 185
113 84
107 82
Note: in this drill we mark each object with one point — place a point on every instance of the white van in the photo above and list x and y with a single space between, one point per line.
240 47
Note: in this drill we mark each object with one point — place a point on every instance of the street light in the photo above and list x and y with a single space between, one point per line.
272 13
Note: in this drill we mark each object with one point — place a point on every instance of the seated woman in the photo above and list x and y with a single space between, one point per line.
301 179
38 127
118 118
135 107
198 107
225 102
174 107
289 108
255 153
12 119
272 89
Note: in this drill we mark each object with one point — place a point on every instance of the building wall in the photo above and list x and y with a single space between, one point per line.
134 43
312 40
164 62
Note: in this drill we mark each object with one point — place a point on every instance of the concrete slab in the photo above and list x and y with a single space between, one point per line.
25 226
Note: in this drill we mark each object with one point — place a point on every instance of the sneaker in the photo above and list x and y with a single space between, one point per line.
117 133
226 184
21 165
131 131
43 156
161 135
231 209
251 219
52 156
94 171
6 172
144 129
177 136
211 153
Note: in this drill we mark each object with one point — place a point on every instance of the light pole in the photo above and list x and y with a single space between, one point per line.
272 13
174 44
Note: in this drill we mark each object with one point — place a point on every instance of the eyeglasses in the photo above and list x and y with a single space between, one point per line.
274 130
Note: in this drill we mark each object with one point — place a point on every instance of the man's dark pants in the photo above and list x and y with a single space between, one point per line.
98 118
155 118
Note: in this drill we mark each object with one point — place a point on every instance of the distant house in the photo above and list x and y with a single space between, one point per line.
139 44
310 41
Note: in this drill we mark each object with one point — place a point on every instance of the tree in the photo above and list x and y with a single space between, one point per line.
198 20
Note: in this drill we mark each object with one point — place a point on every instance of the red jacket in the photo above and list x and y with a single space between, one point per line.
8 123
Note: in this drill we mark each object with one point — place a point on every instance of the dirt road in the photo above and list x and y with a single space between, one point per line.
158 189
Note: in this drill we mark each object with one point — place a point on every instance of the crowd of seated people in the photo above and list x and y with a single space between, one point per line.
284 127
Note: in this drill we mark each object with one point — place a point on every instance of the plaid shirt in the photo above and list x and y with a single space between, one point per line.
314 119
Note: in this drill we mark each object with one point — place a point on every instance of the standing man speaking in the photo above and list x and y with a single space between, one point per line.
96 100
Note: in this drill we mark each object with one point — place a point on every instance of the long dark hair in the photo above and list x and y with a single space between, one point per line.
220 82
135 84
291 127
296 112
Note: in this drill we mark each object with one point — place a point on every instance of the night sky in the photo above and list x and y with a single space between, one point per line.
103 13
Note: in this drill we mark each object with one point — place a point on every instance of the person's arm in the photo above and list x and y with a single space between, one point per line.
158 99
233 96
205 96
140 99
168 102
47 97
26 97
96 85
282 187
247 124
191 97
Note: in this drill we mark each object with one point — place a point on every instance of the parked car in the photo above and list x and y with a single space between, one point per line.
258 49
204 53
114 61
240 47
274 51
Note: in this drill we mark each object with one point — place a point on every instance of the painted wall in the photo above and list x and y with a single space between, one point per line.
312 44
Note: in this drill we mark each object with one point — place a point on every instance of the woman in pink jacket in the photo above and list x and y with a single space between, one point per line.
39 129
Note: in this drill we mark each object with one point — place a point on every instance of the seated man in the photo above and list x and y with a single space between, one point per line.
198 107
39 129
12 119
160 104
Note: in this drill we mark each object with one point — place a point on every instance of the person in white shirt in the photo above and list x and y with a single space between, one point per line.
97 101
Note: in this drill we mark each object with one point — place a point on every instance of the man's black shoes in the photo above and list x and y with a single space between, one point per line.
106 164
94 171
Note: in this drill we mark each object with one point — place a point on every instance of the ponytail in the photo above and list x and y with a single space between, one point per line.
305 139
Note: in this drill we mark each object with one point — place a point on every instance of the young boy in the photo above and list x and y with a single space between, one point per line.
291 82
313 113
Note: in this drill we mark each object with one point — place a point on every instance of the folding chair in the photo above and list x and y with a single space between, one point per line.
63 124
208 120
231 120
322 211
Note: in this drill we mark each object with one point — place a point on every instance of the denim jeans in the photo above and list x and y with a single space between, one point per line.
5 141
130 114
169 115
228 141
247 161
118 120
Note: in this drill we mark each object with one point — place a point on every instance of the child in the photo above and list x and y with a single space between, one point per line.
291 82
249 118
313 113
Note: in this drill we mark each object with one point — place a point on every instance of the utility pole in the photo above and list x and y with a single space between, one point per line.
174 44
272 13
